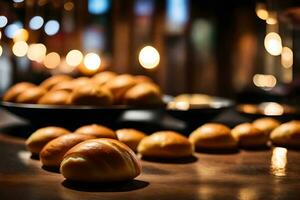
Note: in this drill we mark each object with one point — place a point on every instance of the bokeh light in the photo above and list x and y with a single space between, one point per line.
74 58
20 48
287 57
68 6
3 21
261 11
11 29
273 43
36 52
51 27
149 57
21 35
92 61
36 22
52 60
265 81
18 1
1 50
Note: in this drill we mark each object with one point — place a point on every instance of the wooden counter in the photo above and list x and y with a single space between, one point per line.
245 175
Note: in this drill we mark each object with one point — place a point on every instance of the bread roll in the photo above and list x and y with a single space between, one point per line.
103 77
143 94
100 160
59 97
248 135
31 95
91 95
53 80
96 130
71 85
213 136
287 134
266 124
12 93
42 136
143 79
119 86
130 137
165 144
53 152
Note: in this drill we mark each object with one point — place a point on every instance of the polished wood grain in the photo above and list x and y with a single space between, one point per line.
244 175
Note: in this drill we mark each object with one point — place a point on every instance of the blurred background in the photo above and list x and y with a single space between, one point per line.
230 48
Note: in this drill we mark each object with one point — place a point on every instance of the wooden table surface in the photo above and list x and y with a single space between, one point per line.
244 175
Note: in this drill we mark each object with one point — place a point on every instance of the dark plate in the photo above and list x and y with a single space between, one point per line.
199 114
282 112
69 116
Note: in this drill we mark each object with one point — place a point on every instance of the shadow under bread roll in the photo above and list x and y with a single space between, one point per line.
165 145
42 136
91 94
248 136
143 94
100 160
266 124
53 152
213 136
287 134
13 92
119 86
53 80
130 137
97 131
59 97
31 95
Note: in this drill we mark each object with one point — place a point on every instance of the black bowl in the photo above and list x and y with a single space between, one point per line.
68 116
200 114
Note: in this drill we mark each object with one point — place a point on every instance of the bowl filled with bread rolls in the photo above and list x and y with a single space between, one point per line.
63 99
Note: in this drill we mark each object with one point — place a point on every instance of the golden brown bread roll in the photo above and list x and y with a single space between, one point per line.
70 85
266 124
143 94
31 95
287 134
248 135
100 160
165 144
103 77
91 95
42 136
143 79
213 136
53 80
96 130
59 97
130 137
12 93
53 152
119 86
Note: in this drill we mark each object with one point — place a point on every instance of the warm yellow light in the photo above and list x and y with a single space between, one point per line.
279 161
286 57
21 35
52 60
266 81
36 52
68 6
272 109
149 57
261 11
0 34
64 67
271 20
273 43
74 58
92 61
20 48
1 50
